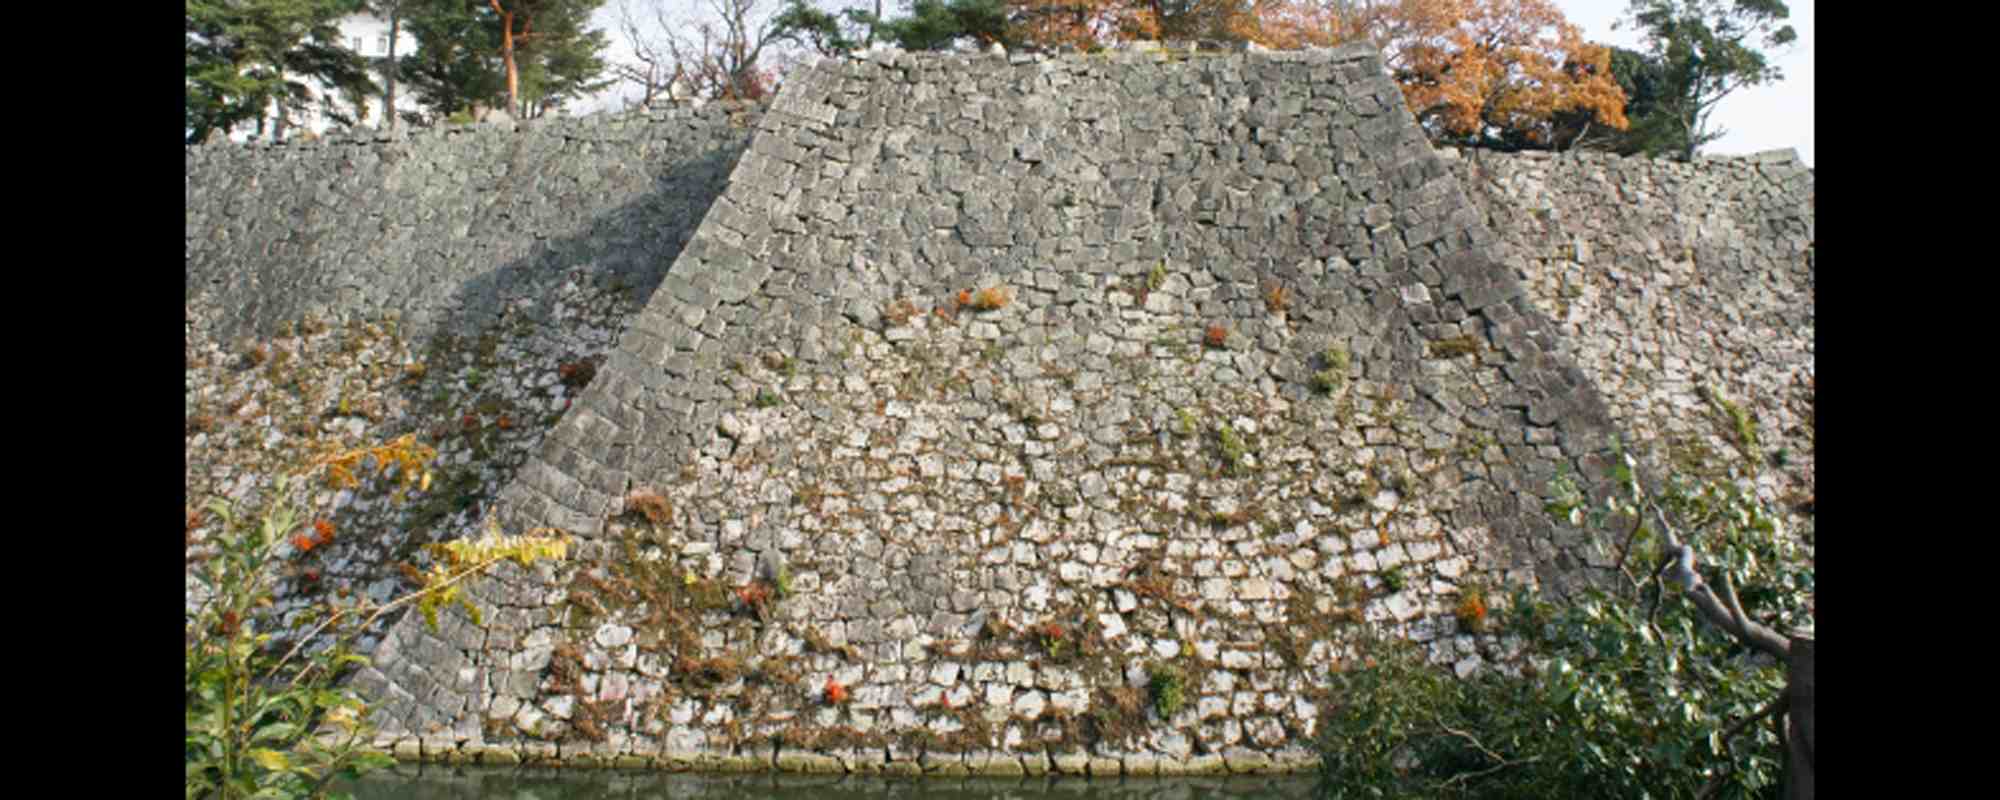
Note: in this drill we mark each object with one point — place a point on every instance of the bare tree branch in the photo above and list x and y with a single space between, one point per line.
654 73
723 57
1681 565
1637 520
1500 763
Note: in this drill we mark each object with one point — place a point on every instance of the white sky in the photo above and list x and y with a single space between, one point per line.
1762 118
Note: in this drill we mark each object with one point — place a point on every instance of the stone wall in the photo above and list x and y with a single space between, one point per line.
1685 290
444 228
458 284
1065 413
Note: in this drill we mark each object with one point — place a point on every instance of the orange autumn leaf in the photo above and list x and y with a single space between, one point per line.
1086 24
1467 68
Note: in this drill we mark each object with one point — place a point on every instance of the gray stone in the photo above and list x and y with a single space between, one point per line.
928 475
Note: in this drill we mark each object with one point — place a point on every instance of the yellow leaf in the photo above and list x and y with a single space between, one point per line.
271 760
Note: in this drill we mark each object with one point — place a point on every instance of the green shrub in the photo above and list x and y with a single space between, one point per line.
1626 692
264 716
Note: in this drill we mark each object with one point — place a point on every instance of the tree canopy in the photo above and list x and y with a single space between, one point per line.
1653 129
1016 24
535 57
727 55
246 61
928 25
1704 51
1480 73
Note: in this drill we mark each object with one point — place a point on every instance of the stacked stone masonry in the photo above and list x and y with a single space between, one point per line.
1684 290
1022 414
442 228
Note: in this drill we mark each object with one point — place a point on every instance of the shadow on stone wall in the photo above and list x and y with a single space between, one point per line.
1257 368
509 263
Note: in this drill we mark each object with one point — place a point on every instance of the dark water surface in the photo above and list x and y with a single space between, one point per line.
441 782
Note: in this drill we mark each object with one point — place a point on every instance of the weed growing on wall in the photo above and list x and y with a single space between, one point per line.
1332 375
264 716
992 298
1168 689
1217 336
1230 446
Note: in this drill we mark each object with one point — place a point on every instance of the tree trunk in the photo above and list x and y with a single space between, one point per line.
278 104
507 53
1799 730
389 74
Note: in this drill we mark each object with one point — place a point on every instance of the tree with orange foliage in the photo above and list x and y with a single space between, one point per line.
1295 24
1084 24
1484 73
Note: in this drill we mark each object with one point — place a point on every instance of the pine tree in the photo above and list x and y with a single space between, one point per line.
545 43
248 58
533 59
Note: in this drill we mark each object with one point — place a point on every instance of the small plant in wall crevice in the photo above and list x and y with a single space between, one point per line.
992 298
1167 685
1217 336
1471 611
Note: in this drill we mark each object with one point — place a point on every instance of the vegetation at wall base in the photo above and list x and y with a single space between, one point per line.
266 716
1626 692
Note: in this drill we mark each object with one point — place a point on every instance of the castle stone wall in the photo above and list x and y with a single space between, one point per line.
1684 290
1068 414
444 228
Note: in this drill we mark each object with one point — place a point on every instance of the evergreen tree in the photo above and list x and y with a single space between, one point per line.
462 55
394 11
247 59
549 54
939 24
825 32
928 25
1653 130
457 63
1707 49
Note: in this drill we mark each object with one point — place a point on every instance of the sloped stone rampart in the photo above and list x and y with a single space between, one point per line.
1046 389
459 284
1016 396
